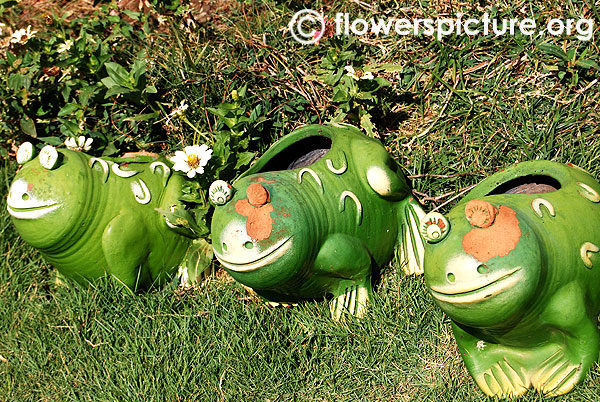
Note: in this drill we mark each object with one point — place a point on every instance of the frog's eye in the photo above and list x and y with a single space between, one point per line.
434 227
25 153
48 157
220 192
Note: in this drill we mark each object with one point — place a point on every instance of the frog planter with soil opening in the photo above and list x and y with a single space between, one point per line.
92 217
316 216
515 267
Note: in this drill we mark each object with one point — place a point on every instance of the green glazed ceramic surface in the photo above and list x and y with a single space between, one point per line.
91 217
317 215
515 266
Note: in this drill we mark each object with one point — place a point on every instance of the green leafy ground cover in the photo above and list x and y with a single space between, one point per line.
450 111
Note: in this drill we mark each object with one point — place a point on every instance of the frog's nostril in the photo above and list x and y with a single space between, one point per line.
451 277
483 269
25 197
249 245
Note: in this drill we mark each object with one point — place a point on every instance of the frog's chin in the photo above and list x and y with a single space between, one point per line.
499 283
266 257
33 211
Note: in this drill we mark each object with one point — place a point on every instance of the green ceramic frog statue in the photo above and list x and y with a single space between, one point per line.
316 216
515 266
91 217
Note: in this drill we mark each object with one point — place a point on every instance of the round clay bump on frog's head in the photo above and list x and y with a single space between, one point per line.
480 213
257 195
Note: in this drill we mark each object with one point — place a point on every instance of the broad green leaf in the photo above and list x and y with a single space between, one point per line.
68 109
70 126
340 96
119 74
142 117
28 126
553 50
56 141
243 159
587 64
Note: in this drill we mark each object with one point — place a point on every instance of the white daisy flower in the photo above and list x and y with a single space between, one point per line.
179 110
65 47
192 159
22 35
358 75
480 345
81 144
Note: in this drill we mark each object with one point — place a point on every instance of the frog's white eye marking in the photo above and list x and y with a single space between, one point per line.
104 166
587 248
588 192
49 157
354 198
314 176
23 204
220 192
340 170
434 227
25 153
123 173
538 202
166 170
379 180
141 192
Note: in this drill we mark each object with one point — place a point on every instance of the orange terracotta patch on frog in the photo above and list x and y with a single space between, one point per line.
497 240
258 209
261 180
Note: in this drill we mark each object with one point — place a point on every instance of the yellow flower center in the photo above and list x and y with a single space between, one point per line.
193 161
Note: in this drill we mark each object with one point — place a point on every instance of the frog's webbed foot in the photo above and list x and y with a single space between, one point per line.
502 380
557 375
353 301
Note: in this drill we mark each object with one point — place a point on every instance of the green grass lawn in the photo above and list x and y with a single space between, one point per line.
218 343
457 111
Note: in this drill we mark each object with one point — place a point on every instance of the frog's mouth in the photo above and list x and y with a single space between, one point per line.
267 257
497 285
35 211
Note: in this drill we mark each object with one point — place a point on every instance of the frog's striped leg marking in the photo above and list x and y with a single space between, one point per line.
556 375
588 192
103 164
354 198
353 301
502 380
411 243
587 248
166 171
536 206
123 173
141 192
340 170
314 176
347 260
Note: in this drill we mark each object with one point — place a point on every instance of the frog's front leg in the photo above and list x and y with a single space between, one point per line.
498 370
125 247
577 339
347 262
